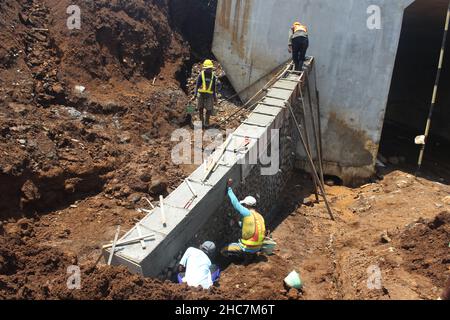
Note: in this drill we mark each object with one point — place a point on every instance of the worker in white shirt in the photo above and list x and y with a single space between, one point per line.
196 268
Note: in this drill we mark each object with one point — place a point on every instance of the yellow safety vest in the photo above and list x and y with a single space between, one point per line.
204 89
301 27
253 231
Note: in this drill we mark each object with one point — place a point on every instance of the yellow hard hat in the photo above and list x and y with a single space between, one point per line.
208 64
297 24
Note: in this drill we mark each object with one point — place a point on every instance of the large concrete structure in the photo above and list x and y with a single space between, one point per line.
261 170
355 62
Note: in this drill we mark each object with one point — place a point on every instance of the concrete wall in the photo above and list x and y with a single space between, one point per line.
354 65
209 216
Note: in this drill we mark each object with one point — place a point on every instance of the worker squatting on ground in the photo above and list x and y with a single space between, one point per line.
205 91
196 268
253 226
298 44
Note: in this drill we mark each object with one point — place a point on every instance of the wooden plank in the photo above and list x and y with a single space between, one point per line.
111 254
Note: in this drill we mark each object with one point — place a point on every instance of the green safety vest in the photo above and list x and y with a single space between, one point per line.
204 88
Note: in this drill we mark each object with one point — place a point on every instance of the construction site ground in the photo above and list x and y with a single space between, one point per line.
75 164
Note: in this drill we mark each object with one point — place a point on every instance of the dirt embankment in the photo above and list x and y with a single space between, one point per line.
60 144
378 227
77 161
29 270
85 123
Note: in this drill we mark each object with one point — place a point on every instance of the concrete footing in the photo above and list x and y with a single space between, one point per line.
261 171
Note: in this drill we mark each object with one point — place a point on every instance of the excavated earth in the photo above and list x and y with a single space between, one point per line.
75 164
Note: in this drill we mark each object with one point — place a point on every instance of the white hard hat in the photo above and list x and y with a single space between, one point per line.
249 201
208 247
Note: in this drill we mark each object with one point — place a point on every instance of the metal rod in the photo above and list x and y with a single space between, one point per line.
307 141
130 241
138 228
151 204
213 165
316 138
111 254
191 188
319 121
311 162
163 214
435 90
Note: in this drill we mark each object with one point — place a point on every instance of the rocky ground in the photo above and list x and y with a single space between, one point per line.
85 123
398 225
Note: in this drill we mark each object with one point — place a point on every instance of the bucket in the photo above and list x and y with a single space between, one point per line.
293 280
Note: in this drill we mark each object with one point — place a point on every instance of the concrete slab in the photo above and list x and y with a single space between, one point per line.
180 197
260 120
279 94
134 252
173 217
272 102
267 110
286 85
294 78
246 130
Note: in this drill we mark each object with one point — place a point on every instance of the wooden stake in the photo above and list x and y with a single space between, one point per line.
311 163
111 254
163 215
151 204
138 228
130 241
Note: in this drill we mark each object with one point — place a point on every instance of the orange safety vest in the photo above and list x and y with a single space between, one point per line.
204 88
299 27
253 231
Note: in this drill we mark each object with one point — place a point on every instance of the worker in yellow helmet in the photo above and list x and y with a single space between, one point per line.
298 44
252 223
205 91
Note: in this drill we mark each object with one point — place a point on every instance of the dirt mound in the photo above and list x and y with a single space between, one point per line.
29 270
85 123
78 104
120 39
426 248
26 270
118 284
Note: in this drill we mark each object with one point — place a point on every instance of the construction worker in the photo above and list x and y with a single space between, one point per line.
252 223
206 92
298 44
195 266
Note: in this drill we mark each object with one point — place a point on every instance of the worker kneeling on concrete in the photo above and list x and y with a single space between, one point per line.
196 268
298 44
206 92
253 226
